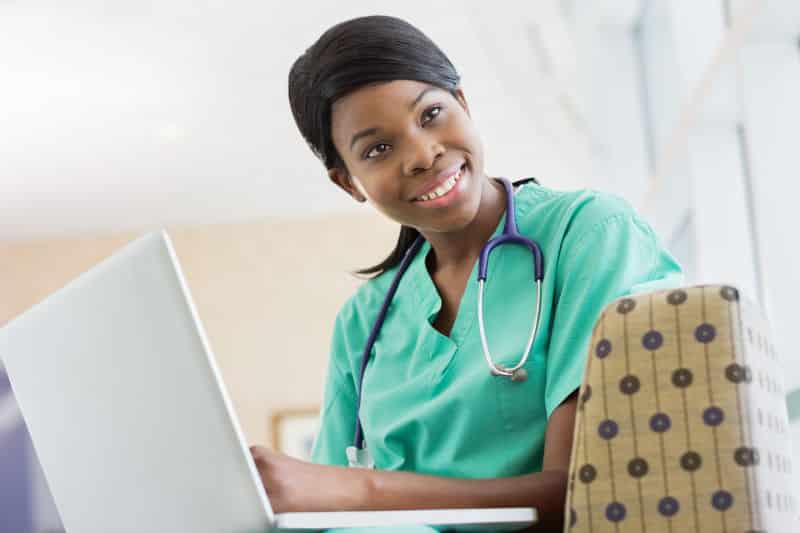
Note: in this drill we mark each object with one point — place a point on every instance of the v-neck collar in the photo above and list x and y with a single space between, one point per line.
431 303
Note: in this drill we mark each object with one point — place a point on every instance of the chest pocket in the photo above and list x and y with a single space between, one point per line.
510 306
521 403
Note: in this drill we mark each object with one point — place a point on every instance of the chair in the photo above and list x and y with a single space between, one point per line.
681 422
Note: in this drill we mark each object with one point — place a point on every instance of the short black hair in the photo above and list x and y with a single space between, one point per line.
350 55
353 54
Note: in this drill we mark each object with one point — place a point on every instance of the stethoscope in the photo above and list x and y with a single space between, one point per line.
357 454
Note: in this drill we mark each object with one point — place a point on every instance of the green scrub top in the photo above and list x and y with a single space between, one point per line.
430 404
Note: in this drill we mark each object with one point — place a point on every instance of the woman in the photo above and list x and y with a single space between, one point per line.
383 109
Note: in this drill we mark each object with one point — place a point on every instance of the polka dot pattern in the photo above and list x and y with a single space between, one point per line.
682 377
629 385
729 293
603 348
608 429
668 506
664 434
586 395
745 456
638 467
705 333
626 305
722 500
713 416
652 340
736 373
691 461
660 422
677 297
615 512
587 473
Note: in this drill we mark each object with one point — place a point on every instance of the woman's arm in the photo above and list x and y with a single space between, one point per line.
295 485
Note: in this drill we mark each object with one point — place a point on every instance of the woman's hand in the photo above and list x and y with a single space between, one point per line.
294 485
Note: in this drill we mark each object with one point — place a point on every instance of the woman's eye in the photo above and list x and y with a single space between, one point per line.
375 151
431 114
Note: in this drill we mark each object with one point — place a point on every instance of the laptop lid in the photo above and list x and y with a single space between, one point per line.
116 381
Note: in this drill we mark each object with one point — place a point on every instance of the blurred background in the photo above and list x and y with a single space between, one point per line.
117 118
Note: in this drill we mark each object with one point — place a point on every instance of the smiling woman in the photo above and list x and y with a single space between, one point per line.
358 54
413 138
382 107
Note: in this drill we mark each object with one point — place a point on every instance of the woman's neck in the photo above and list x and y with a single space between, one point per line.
459 250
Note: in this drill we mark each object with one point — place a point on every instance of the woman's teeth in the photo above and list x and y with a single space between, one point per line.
442 189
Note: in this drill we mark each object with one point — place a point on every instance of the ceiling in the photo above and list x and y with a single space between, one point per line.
123 115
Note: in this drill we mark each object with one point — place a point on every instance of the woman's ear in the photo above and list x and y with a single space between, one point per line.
462 100
347 183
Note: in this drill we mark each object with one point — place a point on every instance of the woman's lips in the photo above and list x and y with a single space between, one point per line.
444 183
450 195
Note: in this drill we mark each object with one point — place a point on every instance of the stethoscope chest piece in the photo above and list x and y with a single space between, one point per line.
517 376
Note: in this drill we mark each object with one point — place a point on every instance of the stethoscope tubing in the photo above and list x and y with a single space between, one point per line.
358 438
510 235
499 370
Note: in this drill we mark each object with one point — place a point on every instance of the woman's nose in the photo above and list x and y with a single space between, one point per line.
422 154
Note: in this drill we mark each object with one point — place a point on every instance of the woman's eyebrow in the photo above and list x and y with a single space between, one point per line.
363 133
372 131
420 95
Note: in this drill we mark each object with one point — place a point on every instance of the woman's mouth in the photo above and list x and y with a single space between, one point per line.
444 189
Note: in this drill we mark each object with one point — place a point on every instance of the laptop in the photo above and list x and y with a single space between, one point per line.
131 421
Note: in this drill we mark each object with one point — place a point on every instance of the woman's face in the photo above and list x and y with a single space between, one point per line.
411 149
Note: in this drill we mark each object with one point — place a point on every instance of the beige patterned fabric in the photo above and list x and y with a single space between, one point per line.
681 424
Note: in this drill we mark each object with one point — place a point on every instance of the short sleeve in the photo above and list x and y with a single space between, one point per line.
617 256
337 417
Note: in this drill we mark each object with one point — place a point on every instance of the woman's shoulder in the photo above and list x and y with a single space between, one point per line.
570 212
363 305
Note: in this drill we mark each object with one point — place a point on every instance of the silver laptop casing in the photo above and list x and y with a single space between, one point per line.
130 418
